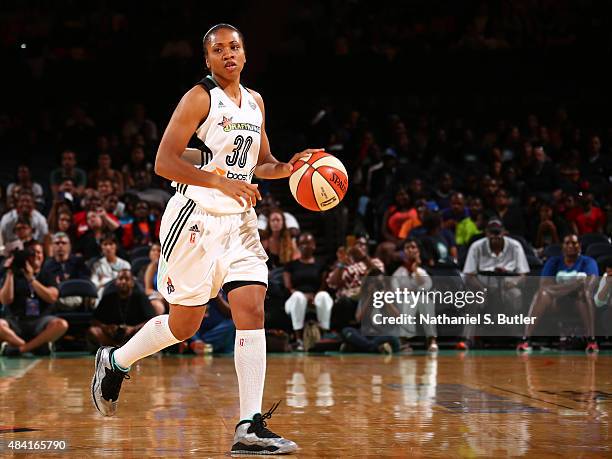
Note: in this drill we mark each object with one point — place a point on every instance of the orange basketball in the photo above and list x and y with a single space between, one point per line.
318 181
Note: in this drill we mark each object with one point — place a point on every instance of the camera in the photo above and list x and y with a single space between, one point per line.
19 260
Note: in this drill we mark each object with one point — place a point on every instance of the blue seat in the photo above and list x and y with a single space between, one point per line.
598 249
78 287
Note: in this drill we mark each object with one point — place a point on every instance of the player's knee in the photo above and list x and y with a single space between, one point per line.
184 331
253 312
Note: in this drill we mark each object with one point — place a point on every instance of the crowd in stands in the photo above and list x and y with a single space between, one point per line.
505 190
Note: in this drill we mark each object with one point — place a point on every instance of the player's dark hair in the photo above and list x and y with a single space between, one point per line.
221 26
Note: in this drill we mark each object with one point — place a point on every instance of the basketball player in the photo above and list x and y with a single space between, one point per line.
209 237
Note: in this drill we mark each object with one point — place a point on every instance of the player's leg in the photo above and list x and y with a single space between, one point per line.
252 436
113 365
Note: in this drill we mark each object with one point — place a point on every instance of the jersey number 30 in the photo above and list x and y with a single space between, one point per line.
240 151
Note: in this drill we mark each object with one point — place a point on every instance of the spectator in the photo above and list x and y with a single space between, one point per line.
547 228
444 190
123 310
414 222
23 231
24 182
603 296
511 216
354 339
568 276
597 165
304 279
137 162
396 215
68 170
90 244
438 244
269 203
586 217
64 265
113 206
108 267
29 294
138 123
471 225
455 213
92 202
217 332
106 172
150 280
279 245
346 278
143 190
541 176
411 276
25 210
495 255
142 230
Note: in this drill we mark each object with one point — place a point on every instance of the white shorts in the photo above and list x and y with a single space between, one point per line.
202 251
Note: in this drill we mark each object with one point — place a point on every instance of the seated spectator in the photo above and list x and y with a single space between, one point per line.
106 172
24 182
68 170
568 275
60 221
150 280
496 254
23 231
603 296
411 276
108 267
28 294
438 244
395 216
90 244
444 190
304 279
142 230
279 244
455 213
137 162
93 202
586 217
267 204
122 311
217 332
145 192
416 221
471 225
541 176
548 228
114 206
354 340
346 278
24 210
511 216
64 265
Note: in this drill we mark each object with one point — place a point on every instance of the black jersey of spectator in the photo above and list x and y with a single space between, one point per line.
89 246
73 268
24 291
132 310
305 277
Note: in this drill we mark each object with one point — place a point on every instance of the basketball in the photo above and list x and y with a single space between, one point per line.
318 181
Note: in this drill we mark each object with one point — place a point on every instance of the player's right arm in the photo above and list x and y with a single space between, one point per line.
188 115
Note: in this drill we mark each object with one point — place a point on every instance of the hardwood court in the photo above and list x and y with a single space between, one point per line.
473 405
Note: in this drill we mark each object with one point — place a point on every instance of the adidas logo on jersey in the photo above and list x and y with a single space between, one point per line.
194 229
221 104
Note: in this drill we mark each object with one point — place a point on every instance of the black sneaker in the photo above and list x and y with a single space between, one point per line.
252 437
9 351
106 382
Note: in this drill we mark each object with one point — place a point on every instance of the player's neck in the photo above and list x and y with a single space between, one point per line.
230 87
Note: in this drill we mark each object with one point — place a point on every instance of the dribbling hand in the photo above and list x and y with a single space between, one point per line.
239 190
285 169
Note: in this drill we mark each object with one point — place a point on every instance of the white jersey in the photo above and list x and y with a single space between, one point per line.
231 137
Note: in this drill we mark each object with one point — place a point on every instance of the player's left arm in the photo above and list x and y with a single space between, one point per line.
268 167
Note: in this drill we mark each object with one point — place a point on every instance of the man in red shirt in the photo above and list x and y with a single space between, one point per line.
93 202
586 218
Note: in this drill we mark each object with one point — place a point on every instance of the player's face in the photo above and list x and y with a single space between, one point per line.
225 54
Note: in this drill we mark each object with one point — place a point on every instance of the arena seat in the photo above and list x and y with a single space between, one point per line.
553 250
598 249
139 252
592 238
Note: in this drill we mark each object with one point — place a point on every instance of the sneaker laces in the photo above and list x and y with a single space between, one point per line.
258 425
111 384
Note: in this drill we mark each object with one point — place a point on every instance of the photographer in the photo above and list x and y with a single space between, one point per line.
29 295
123 310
